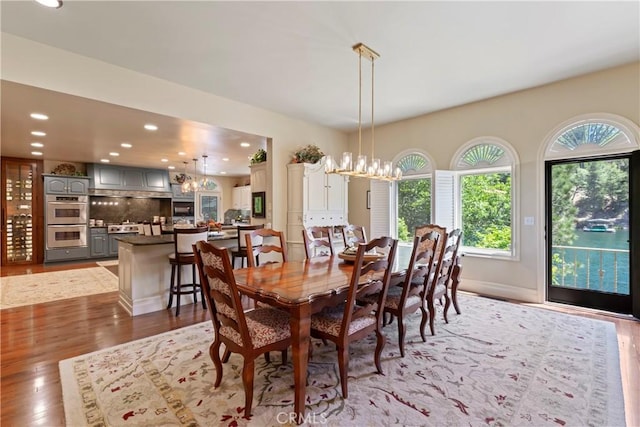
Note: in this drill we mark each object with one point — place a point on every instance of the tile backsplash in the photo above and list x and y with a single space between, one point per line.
115 210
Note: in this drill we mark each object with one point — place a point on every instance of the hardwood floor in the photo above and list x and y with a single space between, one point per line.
35 338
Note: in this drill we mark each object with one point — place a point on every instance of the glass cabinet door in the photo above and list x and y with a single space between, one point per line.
20 242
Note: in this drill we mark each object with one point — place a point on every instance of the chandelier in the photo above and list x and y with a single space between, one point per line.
376 169
192 184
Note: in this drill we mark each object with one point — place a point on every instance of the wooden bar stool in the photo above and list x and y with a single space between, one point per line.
241 250
183 239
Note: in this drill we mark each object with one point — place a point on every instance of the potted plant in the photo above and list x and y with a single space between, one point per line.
309 154
259 157
181 178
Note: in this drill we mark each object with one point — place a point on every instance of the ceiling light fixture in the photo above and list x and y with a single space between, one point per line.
105 160
114 154
150 126
164 160
54 4
171 167
39 116
204 182
36 153
190 184
38 133
361 168
245 144
37 144
126 145
185 186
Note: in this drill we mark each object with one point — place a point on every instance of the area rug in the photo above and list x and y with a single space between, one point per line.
16 291
496 364
108 263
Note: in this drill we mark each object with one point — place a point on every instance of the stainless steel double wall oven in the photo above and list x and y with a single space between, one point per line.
66 221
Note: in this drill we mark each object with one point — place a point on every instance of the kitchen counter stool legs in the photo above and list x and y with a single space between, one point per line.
183 241
177 288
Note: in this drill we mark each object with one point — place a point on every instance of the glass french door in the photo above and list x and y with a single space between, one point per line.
208 206
589 204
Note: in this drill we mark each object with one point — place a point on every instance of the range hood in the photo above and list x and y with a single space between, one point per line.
130 193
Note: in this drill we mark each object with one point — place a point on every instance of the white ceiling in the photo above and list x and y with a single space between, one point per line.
295 58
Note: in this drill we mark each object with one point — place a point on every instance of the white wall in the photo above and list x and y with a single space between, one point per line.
35 64
524 119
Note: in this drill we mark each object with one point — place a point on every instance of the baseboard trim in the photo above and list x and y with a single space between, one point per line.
499 290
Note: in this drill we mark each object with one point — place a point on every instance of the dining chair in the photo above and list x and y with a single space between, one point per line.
455 238
438 286
249 333
261 241
241 250
351 320
353 234
442 238
317 241
156 229
408 296
183 239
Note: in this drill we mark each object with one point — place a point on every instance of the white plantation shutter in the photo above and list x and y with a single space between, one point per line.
444 199
380 215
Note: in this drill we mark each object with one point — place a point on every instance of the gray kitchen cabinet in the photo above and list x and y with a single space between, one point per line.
107 177
177 194
98 242
54 184
66 254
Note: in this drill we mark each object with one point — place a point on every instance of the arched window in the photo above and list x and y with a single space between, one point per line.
413 194
591 135
485 192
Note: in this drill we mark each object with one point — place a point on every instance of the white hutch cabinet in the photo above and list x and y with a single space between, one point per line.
313 199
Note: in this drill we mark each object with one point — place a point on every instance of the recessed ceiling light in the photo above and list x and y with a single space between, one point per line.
171 167
223 173
245 144
126 145
105 160
37 144
38 133
164 160
56 4
114 154
36 153
225 159
150 126
39 116
181 153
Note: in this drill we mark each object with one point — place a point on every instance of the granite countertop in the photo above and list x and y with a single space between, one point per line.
141 240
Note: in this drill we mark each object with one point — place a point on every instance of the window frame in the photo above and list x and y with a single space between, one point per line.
513 169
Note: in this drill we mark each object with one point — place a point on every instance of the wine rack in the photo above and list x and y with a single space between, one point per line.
20 211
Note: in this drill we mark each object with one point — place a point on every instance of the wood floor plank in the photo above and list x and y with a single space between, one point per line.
35 338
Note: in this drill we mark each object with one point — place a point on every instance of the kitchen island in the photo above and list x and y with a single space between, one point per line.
144 272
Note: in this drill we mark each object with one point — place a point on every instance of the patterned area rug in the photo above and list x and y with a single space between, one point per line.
37 288
497 364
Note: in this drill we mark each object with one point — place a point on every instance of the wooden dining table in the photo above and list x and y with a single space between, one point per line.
302 288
